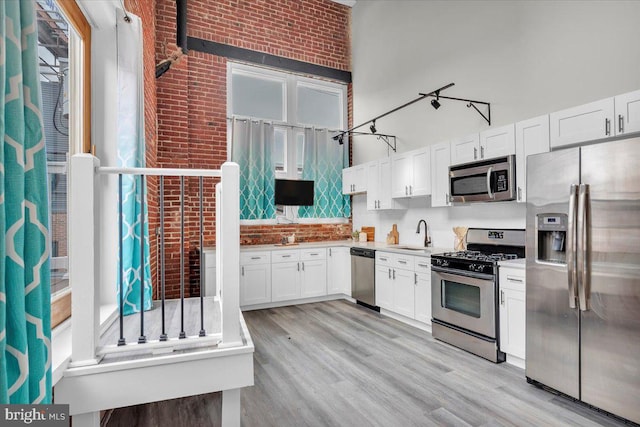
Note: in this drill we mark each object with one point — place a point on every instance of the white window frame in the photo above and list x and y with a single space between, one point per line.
291 124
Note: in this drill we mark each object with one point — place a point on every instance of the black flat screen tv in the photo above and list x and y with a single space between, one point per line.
291 192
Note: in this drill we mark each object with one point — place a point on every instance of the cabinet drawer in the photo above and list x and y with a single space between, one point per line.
311 254
405 262
384 258
285 256
512 278
423 265
249 258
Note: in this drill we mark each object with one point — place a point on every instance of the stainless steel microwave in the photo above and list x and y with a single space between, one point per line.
484 181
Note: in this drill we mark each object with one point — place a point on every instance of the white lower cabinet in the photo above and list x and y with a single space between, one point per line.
255 278
339 271
512 312
298 274
403 285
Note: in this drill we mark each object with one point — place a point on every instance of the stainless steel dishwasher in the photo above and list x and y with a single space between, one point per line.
363 268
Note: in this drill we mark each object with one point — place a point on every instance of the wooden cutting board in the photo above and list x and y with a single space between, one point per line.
371 232
395 234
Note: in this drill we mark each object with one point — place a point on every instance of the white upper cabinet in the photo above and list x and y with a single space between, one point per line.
379 186
584 123
532 137
410 176
627 113
465 149
497 142
440 162
354 180
491 143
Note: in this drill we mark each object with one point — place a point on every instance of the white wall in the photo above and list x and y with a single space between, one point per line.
524 57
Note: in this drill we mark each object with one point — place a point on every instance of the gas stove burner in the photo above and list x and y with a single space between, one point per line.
479 256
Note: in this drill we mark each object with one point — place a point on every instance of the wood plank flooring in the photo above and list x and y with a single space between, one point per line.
339 364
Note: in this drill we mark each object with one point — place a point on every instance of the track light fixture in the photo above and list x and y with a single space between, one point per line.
434 102
372 128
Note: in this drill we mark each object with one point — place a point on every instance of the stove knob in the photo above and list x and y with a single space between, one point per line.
445 263
472 267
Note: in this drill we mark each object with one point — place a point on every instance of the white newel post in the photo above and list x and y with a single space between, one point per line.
83 251
228 246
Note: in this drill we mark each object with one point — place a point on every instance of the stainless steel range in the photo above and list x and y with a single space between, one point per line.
464 290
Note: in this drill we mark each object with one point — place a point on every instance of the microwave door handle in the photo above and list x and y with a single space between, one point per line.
572 276
582 257
489 192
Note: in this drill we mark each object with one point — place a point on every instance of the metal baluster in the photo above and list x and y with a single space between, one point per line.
163 336
142 338
121 341
182 333
202 270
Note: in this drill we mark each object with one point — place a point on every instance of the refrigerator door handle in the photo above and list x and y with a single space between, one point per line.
571 247
582 257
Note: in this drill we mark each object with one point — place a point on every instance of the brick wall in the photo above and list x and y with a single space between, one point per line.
191 103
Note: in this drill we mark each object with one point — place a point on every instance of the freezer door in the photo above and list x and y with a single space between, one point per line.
611 326
553 334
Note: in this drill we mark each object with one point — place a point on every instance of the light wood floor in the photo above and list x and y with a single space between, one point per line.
339 364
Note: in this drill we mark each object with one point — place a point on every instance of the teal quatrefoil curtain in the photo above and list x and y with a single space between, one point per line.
324 160
25 288
252 149
131 153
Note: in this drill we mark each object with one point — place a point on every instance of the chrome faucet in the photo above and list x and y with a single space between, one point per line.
427 240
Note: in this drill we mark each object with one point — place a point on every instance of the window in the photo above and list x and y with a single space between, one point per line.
292 103
64 39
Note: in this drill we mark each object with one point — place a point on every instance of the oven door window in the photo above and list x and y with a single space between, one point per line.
462 298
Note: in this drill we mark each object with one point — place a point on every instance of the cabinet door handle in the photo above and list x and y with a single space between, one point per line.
607 127
406 190
314 254
330 252
389 273
422 265
415 278
255 257
298 266
243 270
383 259
501 297
475 153
620 123
302 265
402 261
286 256
394 274
519 194
482 152
514 279
411 189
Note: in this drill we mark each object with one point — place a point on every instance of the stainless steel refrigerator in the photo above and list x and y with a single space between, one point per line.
583 274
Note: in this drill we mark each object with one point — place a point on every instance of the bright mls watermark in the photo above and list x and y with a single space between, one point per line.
34 415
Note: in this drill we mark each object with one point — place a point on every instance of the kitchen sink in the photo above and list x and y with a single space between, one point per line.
411 248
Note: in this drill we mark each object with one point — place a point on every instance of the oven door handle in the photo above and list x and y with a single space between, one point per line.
489 192
453 273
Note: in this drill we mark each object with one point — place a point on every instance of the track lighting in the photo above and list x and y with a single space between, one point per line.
340 141
435 103
373 127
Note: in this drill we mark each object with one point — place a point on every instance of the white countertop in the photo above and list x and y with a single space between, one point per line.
379 246
514 263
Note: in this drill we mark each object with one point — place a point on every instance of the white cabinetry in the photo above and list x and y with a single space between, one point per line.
354 180
627 108
379 186
403 285
298 274
583 123
440 162
512 314
255 278
465 149
423 290
497 142
491 143
532 137
339 271
410 174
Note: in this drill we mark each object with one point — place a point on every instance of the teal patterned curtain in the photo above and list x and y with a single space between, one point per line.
131 152
25 288
252 149
323 163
